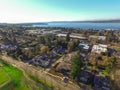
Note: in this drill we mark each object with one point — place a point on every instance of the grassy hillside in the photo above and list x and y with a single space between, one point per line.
3 77
18 80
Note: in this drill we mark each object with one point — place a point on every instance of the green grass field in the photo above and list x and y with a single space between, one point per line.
3 77
18 80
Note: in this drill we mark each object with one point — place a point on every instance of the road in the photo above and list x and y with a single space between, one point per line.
41 74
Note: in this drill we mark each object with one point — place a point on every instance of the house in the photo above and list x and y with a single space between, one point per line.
63 67
38 31
85 50
23 39
41 60
99 48
86 77
52 55
101 83
117 54
8 47
58 50
84 46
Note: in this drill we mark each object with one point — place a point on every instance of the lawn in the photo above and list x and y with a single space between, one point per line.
3 77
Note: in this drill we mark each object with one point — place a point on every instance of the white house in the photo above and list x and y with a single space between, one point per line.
85 46
99 48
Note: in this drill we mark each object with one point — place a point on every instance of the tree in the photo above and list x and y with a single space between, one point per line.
106 54
80 48
68 37
41 40
113 60
99 57
71 46
44 49
30 54
14 41
6 40
47 41
37 50
77 64
109 38
56 42
109 66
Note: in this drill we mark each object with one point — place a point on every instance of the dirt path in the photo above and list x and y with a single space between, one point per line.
50 78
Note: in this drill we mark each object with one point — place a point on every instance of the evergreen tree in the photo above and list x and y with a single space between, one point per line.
77 64
68 37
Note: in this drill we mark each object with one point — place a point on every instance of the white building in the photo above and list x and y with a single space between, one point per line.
99 48
34 31
85 46
71 36
51 31
98 37
42 31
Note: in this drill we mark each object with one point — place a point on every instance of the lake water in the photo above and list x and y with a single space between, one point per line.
82 25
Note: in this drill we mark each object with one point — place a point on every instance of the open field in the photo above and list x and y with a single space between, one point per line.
18 80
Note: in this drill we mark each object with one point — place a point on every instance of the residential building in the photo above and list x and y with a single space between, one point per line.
101 83
99 48
84 45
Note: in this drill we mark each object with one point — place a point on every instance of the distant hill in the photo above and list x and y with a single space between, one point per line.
26 24
46 23
30 24
3 23
90 21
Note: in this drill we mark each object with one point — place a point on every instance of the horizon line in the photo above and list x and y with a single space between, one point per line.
89 20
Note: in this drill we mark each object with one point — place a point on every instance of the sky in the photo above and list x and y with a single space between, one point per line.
20 11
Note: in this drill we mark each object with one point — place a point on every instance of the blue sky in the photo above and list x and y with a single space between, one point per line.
58 10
